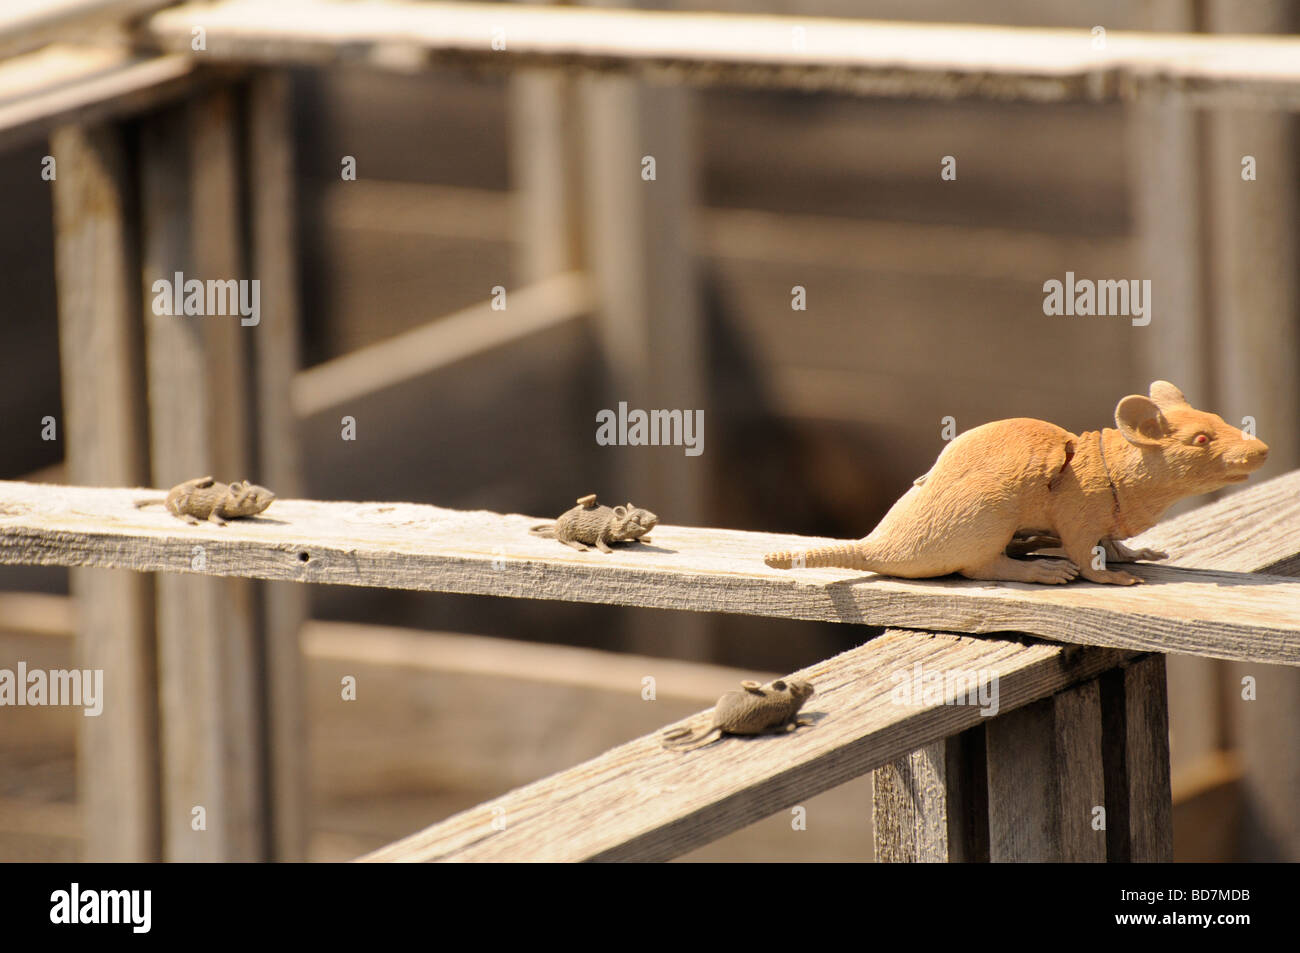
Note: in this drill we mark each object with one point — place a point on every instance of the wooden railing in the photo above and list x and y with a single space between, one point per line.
1076 727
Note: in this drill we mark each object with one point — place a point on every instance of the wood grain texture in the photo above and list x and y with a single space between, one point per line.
407 546
104 433
1146 757
909 807
863 57
66 84
273 257
210 716
640 802
1045 778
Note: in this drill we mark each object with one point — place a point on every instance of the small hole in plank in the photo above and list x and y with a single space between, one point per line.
303 557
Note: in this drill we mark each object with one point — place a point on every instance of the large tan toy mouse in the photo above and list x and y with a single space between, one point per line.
1029 484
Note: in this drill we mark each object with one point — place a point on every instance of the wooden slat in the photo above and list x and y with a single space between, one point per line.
649 316
855 56
86 85
103 429
1253 249
1135 727
210 738
930 806
274 262
27 24
653 804
1045 778
409 546
441 343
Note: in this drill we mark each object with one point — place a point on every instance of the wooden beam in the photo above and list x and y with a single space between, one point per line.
409 546
862 57
96 259
931 806
27 24
212 757
1254 248
641 802
65 84
273 257
441 343
649 316
1045 780
1135 729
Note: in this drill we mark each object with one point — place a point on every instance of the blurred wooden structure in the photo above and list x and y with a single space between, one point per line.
216 167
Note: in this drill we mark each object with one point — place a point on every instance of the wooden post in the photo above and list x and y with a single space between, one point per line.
638 249
1254 248
270 179
99 342
1135 728
1045 779
212 758
932 805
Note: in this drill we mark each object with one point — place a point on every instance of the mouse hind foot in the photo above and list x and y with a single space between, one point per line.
1003 568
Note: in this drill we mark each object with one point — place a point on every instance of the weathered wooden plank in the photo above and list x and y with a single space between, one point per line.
654 804
648 317
104 433
915 807
211 754
440 343
27 24
274 262
1253 249
66 84
855 56
1045 779
408 546
1253 530
1135 727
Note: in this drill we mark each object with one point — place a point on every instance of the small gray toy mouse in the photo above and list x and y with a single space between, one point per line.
589 524
758 710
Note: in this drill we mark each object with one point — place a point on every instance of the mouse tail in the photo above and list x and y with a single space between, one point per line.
544 530
690 743
849 555
141 504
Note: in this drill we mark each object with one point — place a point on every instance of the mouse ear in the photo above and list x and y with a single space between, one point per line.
1140 421
620 512
1166 394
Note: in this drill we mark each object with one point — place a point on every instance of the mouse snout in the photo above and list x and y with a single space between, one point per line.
649 521
1247 456
1256 453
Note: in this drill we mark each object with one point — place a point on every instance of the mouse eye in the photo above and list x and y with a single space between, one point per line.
1201 439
